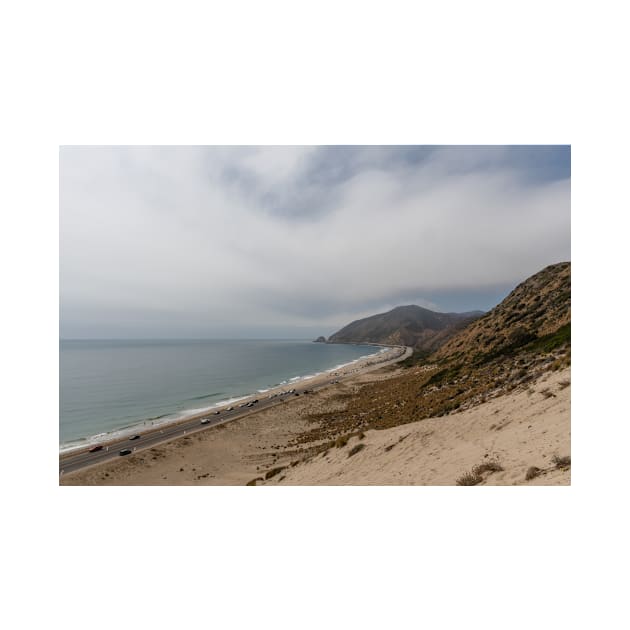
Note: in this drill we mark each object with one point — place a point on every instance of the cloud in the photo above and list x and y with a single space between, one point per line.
242 239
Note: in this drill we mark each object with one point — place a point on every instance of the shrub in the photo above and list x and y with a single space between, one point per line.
253 481
469 479
273 472
341 441
561 462
355 449
491 466
532 472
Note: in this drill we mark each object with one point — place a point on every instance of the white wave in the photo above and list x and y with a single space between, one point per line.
121 432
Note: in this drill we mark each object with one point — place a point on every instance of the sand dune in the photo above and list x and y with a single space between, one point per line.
519 431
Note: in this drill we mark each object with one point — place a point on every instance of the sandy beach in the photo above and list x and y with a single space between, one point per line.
519 430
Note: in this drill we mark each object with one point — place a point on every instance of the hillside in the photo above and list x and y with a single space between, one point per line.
486 440
514 345
536 308
405 325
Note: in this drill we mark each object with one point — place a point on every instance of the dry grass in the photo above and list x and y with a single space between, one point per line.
469 479
273 472
355 449
561 462
341 441
491 466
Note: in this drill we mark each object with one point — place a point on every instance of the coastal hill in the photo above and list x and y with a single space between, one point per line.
538 307
410 325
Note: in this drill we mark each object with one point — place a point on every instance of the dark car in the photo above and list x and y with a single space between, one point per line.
98 447
125 451
134 437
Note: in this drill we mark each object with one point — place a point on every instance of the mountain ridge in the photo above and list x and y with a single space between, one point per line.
408 325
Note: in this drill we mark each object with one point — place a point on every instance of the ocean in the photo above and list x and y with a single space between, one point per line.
110 386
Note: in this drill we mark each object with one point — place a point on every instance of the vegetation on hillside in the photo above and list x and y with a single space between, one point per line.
526 335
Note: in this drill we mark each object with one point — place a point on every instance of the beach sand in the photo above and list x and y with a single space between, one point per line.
518 430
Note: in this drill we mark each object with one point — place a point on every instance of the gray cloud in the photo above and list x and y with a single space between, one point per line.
268 241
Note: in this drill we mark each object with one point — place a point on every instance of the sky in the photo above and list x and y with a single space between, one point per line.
296 242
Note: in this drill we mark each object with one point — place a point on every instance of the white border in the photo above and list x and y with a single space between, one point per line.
299 73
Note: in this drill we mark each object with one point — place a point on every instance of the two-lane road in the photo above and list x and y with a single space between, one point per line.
75 460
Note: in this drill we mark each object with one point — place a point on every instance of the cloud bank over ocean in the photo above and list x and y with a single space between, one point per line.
275 241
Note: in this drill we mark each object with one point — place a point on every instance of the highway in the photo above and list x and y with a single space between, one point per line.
75 460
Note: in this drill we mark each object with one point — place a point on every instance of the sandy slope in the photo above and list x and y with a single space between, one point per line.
518 430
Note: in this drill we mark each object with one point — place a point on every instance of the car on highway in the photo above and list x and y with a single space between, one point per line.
134 437
97 447
125 451
216 413
230 409
205 420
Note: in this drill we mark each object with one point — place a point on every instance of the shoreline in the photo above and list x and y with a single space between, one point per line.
265 446
387 354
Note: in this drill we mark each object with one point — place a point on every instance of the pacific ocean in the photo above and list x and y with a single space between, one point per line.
107 386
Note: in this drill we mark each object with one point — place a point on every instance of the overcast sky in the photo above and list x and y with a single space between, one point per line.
295 242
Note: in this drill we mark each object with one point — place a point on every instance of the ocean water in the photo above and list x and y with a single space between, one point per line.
108 386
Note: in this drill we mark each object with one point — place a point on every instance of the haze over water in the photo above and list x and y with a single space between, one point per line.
109 385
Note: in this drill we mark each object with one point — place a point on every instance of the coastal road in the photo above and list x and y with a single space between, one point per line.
75 460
